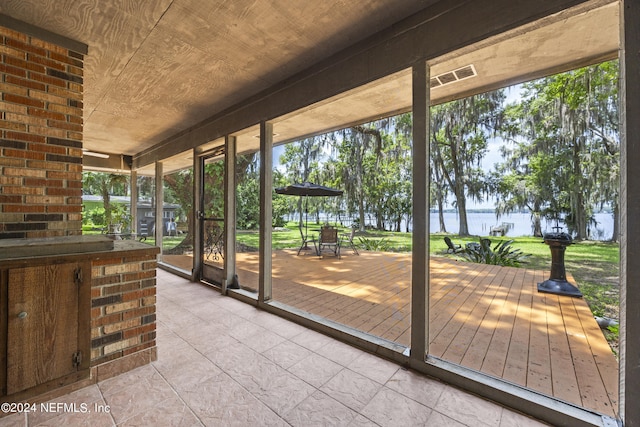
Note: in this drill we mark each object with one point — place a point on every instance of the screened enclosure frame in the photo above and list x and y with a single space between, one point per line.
527 401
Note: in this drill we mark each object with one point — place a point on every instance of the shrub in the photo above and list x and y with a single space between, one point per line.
374 244
95 216
501 254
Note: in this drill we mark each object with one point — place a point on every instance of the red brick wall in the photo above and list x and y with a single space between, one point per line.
123 311
40 138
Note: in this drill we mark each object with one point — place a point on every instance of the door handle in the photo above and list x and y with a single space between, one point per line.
22 315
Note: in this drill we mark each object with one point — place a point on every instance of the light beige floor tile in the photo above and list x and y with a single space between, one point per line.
243 329
390 408
362 421
137 398
436 419
283 327
373 367
222 347
172 412
201 337
175 357
468 409
351 389
190 373
262 340
514 419
72 406
234 357
14 420
167 337
274 386
418 387
78 419
315 369
221 401
239 308
311 340
286 354
320 410
339 352
135 376
211 312
178 319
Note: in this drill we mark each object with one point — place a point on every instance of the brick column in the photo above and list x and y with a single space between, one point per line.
123 311
40 138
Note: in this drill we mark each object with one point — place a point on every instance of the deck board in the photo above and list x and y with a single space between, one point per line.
564 381
515 369
488 318
478 348
496 358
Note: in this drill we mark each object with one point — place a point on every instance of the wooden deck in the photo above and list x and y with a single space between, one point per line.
488 318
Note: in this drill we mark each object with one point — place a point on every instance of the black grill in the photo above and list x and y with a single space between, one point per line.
557 282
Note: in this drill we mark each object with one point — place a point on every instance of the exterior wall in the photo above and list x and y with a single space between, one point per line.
40 138
123 311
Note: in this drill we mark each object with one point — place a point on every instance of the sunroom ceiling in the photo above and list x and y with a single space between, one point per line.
158 67
558 44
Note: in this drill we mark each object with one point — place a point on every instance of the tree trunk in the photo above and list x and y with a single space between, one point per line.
443 227
581 219
301 219
361 213
579 210
536 224
461 201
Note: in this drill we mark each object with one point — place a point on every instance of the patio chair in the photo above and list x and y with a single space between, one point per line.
329 240
451 247
347 238
306 239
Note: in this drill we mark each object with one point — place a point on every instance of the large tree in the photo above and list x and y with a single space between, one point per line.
459 136
374 164
371 162
568 123
356 153
301 161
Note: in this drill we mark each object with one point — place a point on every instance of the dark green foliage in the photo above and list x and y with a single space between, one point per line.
501 254
96 216
369 244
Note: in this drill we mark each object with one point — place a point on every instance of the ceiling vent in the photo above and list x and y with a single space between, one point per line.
453 76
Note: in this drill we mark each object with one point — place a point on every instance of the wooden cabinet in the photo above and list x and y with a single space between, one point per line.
45 326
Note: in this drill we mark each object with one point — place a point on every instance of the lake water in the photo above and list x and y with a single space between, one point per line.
481 223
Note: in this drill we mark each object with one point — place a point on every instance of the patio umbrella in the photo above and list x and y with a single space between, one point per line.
308 189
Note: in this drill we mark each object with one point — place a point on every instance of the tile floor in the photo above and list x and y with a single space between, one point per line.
224 363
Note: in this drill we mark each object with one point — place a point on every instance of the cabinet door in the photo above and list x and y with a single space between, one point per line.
42 333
